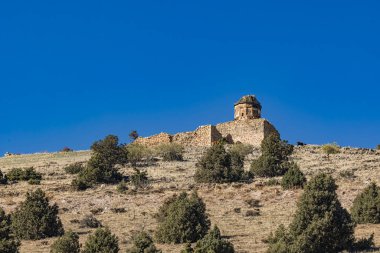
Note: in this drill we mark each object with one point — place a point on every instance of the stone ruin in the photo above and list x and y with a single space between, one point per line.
247 127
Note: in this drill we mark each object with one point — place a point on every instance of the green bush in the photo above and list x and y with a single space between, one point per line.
320 224
219 166
102 166
122 187
26 174
293 178
171 151
366 207
34 181
101 241
3 178
138 153
187 249
35 219
274 157
74 168
241 149
213 242
139 179
330 149
143 243
182 219
8 244
68 243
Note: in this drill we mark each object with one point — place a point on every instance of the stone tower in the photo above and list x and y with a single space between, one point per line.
248 107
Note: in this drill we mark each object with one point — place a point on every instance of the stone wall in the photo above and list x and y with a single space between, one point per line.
250 131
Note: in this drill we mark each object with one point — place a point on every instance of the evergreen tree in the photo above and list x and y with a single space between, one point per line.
213 243
274 157
182 219
68 243
293 178
366 207
8 244
102 241
143 243
35 219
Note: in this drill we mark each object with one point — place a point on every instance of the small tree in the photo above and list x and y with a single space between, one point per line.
35 219
366 207
133 135
182 219
68 243
330 149
139 179
241 149
274 157
293 178
101 241
213 242
143 243
23 174
219 166
8 244
137 153
74 168
171 151
320 223
101 167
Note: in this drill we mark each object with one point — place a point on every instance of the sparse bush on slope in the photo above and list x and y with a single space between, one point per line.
8 244
274 157
241 149
68 243
35 219
171 151
219 166
24 174
139 179
182 219
320 224
101 241
143 243
330 149
102 166
213 242
293 178
137 153
366 207
74 168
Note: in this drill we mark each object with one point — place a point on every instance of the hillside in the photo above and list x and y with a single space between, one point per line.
226 204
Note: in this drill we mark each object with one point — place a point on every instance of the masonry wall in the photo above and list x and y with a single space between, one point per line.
249 131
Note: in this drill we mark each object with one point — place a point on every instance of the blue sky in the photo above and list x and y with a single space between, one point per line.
72 72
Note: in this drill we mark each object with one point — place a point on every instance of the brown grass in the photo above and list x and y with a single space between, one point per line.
247 233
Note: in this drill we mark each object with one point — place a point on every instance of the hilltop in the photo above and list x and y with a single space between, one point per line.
227 204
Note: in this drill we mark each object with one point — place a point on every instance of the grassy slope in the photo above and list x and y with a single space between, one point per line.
223 201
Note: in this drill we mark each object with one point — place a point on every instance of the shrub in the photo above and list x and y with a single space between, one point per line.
274 157
101 167
89 221
74 168
219 166
293 178
320 223
68 243
101 241
213 242
35 218
330 149
34 181
137 153
133 135
171 151
3 178
182 219
143 243
67 149
378 147
139 179
19 174
187 249
366 207
122 187
241 149
80 184
8 244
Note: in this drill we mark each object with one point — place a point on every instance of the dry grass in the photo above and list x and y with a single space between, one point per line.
227 204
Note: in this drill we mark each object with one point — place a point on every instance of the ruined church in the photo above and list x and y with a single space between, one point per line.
247 127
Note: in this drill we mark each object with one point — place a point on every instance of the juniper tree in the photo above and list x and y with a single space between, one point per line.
366 207
8 243
101 241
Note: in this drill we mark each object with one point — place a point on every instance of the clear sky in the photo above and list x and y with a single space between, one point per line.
72 72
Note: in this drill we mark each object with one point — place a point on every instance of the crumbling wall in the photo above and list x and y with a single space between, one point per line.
202 136
154 139
251 131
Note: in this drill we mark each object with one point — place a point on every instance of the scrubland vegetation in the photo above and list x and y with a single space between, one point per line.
224 199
